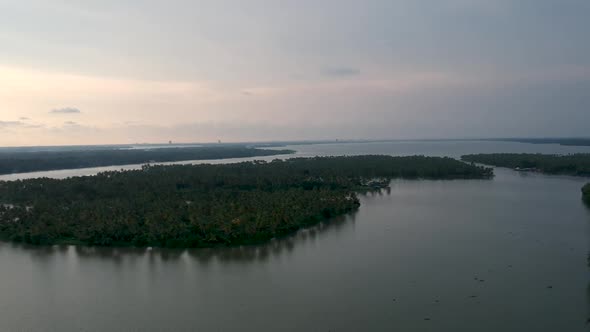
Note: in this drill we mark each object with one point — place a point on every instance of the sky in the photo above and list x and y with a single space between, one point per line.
120 71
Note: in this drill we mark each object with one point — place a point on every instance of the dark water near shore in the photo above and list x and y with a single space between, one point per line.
463 255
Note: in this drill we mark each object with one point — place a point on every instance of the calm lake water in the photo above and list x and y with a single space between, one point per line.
507 254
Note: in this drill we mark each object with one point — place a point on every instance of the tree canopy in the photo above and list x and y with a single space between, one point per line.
570 164
204 205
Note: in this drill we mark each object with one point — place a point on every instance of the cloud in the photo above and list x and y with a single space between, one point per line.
24 118
65 110
341 71
132 123
70 123
11 124
19 124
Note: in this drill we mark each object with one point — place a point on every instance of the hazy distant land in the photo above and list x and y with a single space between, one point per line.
49 158
574 141
22 161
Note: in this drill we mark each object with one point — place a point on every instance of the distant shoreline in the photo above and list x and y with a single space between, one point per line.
34 159
28 162
567 141
577 164
561 141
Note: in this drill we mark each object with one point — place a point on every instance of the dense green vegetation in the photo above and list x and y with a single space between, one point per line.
571 164
204 205
586 193
21 162
574 141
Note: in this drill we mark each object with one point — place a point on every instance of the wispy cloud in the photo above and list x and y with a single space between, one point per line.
18 125
9 124
65 110
341 71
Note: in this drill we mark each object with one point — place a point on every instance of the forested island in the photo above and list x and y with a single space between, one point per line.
25 161
570 164
204 205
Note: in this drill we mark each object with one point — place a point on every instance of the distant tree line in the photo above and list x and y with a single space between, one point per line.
574 141
570 164
24 161
204 205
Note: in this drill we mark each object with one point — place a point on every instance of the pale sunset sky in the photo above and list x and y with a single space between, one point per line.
114 71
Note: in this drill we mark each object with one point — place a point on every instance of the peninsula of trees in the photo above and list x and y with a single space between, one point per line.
204 205
570 164
586 193
25 161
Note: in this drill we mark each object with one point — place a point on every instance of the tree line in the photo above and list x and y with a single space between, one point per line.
561 141
204 205
25 161
570 164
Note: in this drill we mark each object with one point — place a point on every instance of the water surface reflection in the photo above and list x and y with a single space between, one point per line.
420 251
203 256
